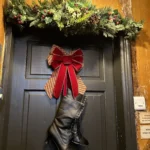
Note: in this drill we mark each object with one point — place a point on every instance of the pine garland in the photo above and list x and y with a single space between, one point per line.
71 17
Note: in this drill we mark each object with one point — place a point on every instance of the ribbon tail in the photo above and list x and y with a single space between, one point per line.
73 81
65 85
60 81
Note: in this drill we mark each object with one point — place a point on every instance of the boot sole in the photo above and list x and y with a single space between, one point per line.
79 143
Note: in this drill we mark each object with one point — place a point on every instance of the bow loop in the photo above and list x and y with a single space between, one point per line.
78 52
57 51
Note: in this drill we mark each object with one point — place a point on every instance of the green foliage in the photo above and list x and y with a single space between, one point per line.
71 17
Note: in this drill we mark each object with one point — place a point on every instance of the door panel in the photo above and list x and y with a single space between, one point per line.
38 112
31 111
93 124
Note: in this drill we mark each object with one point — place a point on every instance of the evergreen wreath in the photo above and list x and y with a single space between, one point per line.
71 17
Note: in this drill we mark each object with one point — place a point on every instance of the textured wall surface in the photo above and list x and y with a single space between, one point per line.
141 10
100 3
1 22
1 36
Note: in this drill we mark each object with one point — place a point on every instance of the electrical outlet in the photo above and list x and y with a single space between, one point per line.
1 96
139 103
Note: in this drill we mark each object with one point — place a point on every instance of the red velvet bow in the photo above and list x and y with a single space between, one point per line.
67 65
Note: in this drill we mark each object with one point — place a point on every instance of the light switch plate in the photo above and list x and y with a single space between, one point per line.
139 103
1 96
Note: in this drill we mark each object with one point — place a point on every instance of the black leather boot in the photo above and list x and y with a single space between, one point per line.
77 137
60 132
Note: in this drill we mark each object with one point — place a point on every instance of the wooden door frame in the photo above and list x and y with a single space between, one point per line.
127 131
122 73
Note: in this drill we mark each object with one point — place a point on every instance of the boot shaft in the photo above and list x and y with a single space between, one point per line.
69 109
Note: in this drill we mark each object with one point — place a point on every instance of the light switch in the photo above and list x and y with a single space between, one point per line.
1 96
139 103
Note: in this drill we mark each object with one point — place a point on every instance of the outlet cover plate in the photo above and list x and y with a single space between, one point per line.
139 103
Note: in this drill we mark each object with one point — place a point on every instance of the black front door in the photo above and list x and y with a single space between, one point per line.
31 111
